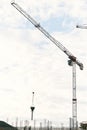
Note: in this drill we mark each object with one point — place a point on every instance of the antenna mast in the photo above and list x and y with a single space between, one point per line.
32 107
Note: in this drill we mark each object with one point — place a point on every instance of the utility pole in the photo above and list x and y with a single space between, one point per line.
32 107
72 59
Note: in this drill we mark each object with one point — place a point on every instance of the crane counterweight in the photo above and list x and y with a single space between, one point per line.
73 58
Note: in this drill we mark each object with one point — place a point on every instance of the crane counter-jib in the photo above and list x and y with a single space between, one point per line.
51 38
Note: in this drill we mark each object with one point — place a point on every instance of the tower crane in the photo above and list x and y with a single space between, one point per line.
84 26
72 59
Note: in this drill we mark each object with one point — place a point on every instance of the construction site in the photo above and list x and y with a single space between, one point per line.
26 75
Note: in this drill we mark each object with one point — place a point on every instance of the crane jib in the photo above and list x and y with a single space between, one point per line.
57 43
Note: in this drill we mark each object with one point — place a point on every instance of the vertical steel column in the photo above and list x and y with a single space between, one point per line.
74 99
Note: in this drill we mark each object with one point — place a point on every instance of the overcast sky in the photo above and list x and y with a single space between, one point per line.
30 62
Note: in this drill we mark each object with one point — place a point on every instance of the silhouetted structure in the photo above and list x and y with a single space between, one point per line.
6 126
83 125
32 107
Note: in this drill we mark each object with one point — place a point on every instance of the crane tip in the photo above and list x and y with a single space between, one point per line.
77 26
13 1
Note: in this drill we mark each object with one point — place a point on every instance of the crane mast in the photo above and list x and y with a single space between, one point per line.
72 59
